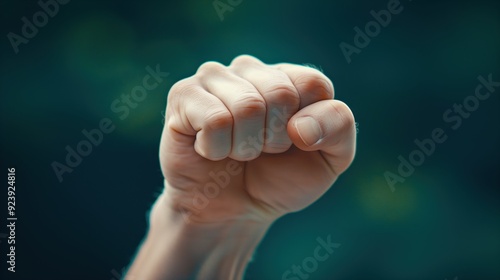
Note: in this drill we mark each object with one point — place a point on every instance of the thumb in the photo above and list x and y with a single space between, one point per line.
326 126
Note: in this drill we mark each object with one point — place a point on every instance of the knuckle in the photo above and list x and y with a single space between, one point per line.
244 59
217 119
210 67
249 106
282 93
315 83
183 87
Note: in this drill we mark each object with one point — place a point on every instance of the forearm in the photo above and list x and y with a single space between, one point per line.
177 249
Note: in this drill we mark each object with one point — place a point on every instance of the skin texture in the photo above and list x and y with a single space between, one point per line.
242 145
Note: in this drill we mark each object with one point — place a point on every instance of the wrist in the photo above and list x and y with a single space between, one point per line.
234 204
192 250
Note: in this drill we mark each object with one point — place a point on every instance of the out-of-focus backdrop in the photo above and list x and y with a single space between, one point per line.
66 67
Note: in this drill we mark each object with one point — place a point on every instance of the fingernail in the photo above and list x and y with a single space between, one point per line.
309 130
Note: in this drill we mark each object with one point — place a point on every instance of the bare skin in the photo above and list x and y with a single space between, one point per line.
242 146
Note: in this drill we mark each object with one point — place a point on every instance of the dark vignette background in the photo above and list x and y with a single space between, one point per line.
441 223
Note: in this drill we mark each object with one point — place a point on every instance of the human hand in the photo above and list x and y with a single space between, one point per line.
242 145
252 141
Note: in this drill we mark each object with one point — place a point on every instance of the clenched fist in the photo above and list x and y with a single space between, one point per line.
242 145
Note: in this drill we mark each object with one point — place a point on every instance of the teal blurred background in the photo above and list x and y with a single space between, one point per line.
442 222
